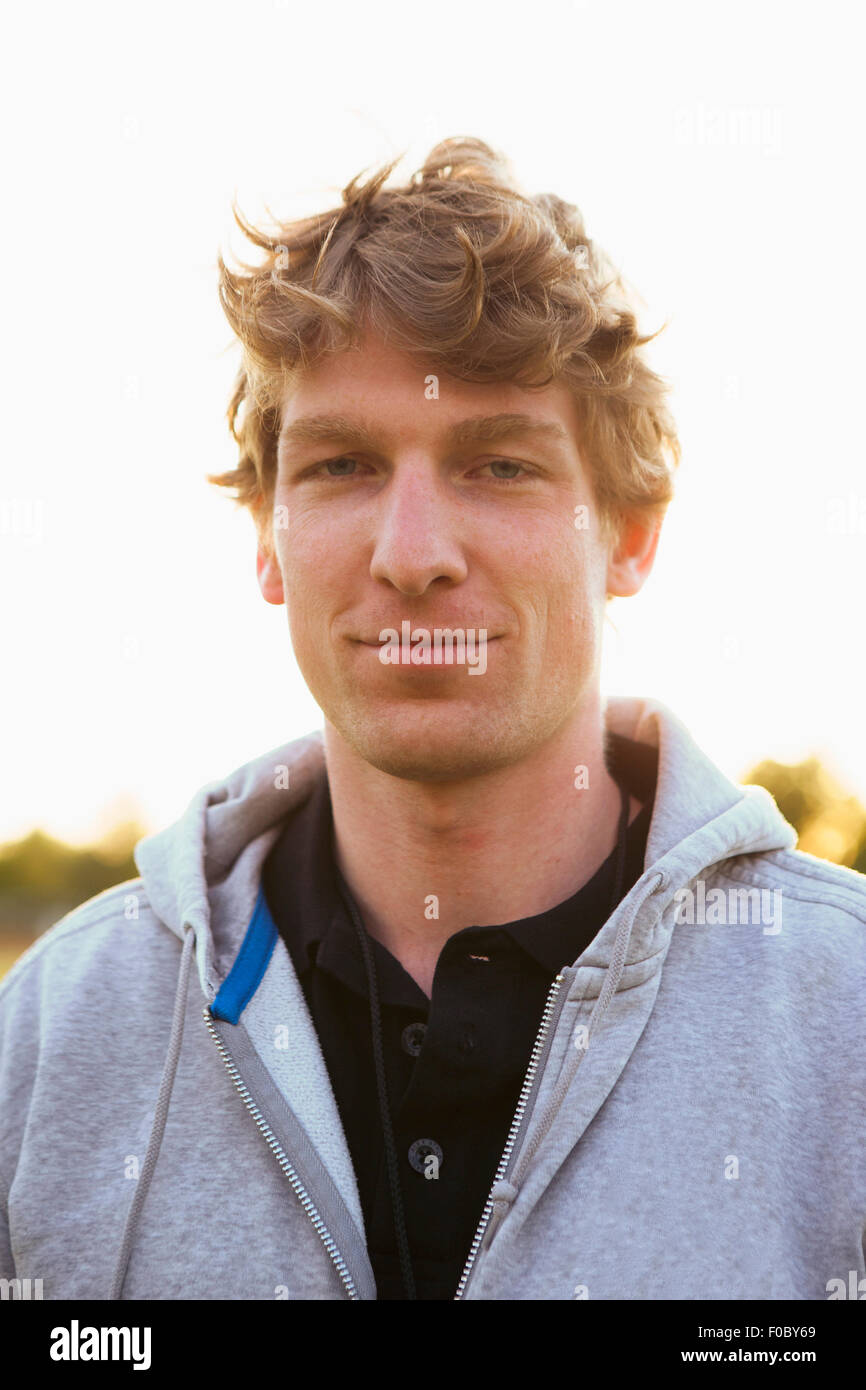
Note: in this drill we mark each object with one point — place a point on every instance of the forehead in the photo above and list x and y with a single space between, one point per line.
376 385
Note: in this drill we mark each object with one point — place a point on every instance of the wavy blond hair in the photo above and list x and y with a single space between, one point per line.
461 269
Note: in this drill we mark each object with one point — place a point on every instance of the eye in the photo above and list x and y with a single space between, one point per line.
336 467
512 470
346 466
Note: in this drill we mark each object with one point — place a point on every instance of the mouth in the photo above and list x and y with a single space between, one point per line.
377 646
473 655
374 641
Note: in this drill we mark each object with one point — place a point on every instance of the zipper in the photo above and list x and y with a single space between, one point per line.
521 1116
282 1158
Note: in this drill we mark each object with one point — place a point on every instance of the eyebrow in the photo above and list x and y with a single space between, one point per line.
317 429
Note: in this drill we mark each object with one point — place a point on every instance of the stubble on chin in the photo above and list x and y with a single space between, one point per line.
421 748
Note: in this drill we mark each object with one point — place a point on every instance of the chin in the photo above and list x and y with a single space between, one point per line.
414 764
437 745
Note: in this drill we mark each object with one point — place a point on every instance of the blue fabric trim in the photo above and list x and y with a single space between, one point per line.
245 976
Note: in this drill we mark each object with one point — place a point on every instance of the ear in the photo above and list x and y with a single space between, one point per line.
632 555
269 576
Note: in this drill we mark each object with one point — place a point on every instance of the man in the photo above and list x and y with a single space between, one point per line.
494 989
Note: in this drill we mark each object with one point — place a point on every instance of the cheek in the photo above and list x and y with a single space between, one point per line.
317 584
561 586
576 613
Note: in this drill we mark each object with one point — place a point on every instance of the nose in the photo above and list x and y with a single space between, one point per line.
416 532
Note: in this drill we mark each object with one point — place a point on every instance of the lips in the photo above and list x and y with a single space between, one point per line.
379 645
375 641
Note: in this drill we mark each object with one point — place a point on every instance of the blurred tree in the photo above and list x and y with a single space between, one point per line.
829 821
860 857
41 878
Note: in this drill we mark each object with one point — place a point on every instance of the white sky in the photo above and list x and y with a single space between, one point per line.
716 152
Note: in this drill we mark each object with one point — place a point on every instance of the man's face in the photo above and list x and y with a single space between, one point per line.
416 524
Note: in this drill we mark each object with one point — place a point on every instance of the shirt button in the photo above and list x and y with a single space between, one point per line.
413 1037
467 1039
425 1155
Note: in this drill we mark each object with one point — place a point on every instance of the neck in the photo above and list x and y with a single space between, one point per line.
425 860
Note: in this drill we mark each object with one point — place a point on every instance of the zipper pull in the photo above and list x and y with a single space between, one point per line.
502 1197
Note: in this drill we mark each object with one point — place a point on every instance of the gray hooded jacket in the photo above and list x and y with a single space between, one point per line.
691 1125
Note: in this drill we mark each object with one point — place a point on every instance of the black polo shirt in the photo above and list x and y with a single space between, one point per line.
454 1063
